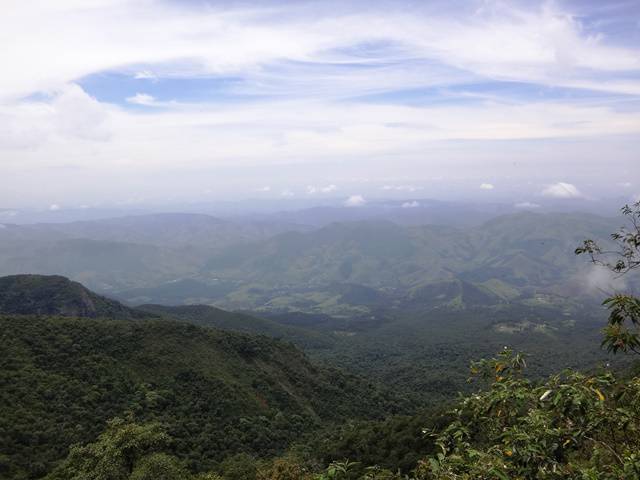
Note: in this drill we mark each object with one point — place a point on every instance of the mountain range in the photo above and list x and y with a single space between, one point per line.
344 268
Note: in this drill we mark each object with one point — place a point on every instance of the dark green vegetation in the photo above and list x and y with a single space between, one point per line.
56 295
410 351
207 316
217 393
426 356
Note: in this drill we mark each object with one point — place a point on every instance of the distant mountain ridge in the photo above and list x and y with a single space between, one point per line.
508 257
344 268
158 229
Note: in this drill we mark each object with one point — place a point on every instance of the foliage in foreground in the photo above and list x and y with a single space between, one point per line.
572 426
622 333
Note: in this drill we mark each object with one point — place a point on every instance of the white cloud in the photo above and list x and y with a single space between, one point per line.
486 186
355 201
527 205
562 190
624 184
266 188
287 193
142 99
412 204
54 207
77 114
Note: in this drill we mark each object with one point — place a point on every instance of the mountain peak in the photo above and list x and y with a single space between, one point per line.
30 294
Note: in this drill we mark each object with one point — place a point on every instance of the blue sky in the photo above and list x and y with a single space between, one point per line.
111 101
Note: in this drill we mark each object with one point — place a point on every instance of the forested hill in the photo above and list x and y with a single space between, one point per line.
208 316
57 295
217 392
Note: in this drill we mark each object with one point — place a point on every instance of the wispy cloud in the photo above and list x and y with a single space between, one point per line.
545 45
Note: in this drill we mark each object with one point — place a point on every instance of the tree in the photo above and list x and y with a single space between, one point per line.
239 467
284 468
124 451
622 332
158 466
571 426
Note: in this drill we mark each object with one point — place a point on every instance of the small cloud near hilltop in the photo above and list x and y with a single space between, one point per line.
487 186
562 190
412 204
287 193
54 207
601 280
355 201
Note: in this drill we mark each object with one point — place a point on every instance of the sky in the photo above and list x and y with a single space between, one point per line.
116 102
